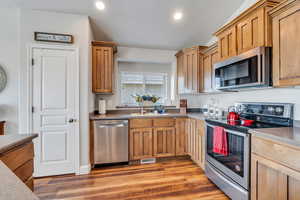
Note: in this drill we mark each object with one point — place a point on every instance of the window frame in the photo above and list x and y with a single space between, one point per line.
167 97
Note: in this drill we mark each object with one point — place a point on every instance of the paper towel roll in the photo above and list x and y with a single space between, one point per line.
102 107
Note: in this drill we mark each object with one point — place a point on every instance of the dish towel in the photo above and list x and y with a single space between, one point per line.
220 145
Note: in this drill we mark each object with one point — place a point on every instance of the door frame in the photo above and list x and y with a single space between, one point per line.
29 114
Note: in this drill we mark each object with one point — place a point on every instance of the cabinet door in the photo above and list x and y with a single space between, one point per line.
164 142
181 136
180 74
270 180
207 73
214 59
250 32
286 46
227 43
102 69
200 129
191 71
141 143
193 139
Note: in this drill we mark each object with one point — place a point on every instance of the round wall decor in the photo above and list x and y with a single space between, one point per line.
3 79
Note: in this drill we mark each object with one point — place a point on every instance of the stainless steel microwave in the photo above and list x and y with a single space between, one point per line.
250 69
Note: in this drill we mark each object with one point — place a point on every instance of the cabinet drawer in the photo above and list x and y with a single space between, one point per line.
25 171
141 123
164 122
18 156
283 154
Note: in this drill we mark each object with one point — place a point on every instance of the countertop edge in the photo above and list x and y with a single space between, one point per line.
280 140
18 142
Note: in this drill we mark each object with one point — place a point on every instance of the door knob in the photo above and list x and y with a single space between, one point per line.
72 120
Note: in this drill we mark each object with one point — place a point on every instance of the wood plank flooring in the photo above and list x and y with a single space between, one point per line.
178 179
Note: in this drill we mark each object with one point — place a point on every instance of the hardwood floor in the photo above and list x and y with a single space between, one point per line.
178 179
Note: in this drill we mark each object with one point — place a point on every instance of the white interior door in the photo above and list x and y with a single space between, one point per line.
54 110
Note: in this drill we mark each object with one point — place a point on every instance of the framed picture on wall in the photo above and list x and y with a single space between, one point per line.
53 37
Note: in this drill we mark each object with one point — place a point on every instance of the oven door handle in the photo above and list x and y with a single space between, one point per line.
230 131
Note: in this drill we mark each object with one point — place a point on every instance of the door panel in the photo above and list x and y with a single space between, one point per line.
141 143
181 136
54 89
250 32
286 46
164 142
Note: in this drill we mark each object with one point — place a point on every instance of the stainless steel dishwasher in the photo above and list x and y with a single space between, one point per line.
110 141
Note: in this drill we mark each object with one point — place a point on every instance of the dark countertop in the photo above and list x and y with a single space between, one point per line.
8 142
283 135
135 116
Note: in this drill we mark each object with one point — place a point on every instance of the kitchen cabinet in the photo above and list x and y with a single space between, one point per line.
2 127
249 30
227 43
103 66
164 142
152 138
275 170
181 136
286 44
196 141
189 75
19 159
210 57
141 143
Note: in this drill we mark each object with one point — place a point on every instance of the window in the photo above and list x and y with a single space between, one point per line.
132 83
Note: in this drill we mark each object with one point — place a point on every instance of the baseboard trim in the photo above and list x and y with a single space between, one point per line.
84 169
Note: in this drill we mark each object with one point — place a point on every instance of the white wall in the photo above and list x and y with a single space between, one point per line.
140 55
79 27
245 5
9 60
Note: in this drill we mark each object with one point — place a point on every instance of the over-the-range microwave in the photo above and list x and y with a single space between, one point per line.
250 69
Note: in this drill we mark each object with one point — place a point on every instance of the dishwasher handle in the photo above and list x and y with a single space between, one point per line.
112 125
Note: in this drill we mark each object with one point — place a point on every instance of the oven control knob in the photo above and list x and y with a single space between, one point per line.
271 109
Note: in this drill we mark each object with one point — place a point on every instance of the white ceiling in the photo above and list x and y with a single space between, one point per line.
147 23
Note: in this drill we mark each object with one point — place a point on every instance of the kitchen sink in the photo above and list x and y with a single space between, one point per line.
148 114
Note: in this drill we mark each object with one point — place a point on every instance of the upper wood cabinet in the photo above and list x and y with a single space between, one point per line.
227 43
188 70
209 58
251 29
103 66
286 44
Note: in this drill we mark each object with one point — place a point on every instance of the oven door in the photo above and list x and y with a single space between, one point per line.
236 164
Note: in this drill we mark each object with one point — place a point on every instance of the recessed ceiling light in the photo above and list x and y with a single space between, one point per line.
178 16
100 5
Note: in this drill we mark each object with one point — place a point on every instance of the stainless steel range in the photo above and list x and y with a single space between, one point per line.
231 172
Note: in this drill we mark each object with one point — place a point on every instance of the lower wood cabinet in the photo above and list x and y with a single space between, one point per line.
196 147
275 171
167 137
181 136
141 143
20 161
164 142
